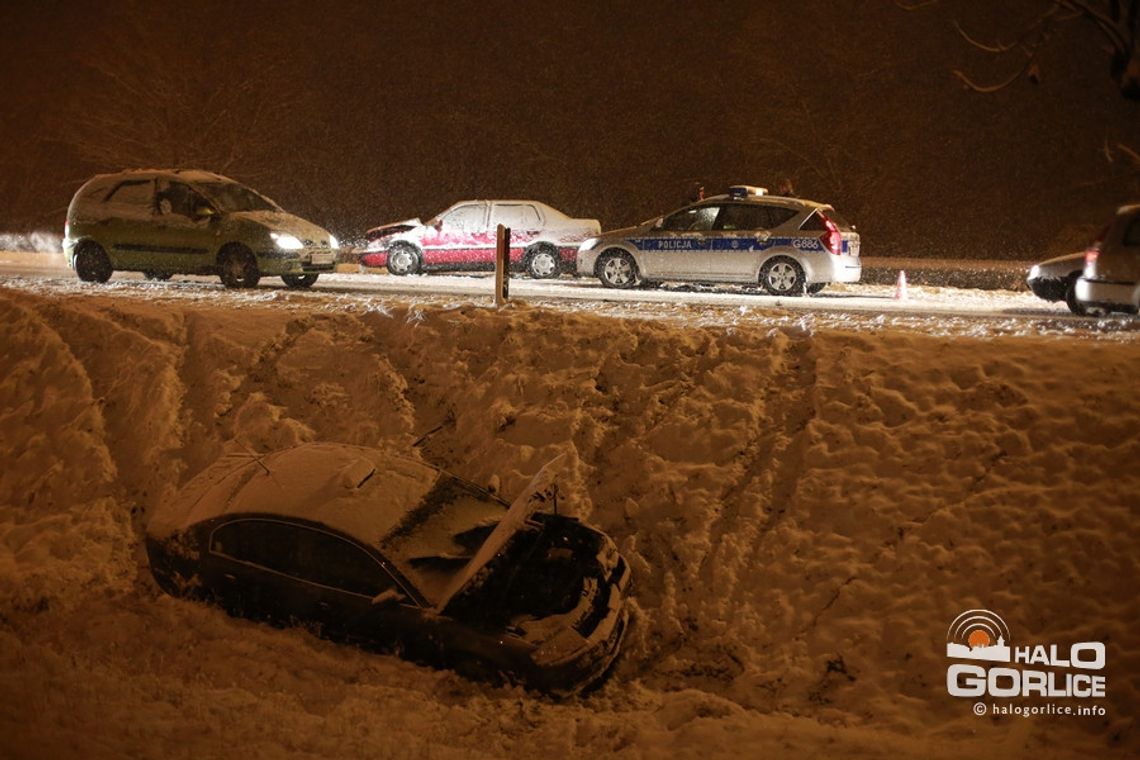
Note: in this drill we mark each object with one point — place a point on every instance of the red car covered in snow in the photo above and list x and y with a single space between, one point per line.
544 241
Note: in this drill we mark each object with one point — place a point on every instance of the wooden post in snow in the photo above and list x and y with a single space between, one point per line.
502 264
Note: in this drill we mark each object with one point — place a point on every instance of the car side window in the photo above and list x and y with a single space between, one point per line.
696 219
517 216
177 198
752 216
304 553
467 218
132 197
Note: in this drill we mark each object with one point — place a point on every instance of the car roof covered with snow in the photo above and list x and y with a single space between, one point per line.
426 521
186 175
362 492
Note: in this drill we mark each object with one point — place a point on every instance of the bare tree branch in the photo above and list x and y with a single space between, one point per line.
1117 21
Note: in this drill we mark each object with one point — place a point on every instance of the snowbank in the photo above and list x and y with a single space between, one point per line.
805 506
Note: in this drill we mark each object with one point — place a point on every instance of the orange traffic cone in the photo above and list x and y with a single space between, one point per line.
900 287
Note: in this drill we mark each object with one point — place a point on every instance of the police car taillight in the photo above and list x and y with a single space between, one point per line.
832 239
743 191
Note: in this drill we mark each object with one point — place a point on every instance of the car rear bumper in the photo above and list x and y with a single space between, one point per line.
825 267
1114 296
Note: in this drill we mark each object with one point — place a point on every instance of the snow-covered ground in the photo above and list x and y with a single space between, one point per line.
807 498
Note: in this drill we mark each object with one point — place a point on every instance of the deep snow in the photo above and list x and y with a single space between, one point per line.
807 501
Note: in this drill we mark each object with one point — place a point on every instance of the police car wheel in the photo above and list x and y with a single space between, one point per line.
782 277
815 287
617 269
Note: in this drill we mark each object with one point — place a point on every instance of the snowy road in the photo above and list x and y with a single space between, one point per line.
936 310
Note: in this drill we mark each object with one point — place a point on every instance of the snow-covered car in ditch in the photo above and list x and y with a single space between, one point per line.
787 246
1112 265
392 554
1055 279
168 222
544 241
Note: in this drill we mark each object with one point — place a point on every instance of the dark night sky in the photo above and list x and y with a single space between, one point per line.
355 114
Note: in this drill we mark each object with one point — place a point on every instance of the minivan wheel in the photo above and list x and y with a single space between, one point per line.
92 264
299 280
238 268
782 276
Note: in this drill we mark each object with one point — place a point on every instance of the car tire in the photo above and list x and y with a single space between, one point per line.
617 269
1075 306
157 276
815 287
782 276
237 267
298 281
404 259
542 262
92 264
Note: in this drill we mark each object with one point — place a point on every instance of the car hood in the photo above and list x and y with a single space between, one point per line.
282 221
537 494
393 227
625 232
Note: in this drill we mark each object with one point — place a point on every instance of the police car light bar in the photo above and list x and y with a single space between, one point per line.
743 191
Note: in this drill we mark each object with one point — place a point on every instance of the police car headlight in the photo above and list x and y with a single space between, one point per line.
1034 272
286 242
588 245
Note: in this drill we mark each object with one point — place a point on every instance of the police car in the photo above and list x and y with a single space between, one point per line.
788 246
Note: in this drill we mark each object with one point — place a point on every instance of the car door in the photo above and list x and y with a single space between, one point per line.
250 569
459 239
300 573
524 222
126 220
182 240
678 246
743 235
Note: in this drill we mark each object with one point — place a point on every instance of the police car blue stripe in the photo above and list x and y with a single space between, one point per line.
724 244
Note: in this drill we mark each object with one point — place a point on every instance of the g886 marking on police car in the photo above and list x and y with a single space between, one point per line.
787 246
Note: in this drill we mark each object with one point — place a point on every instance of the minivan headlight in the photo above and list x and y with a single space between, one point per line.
333 242
286 242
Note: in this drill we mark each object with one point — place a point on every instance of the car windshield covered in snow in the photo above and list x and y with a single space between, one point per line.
437 539
230 197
